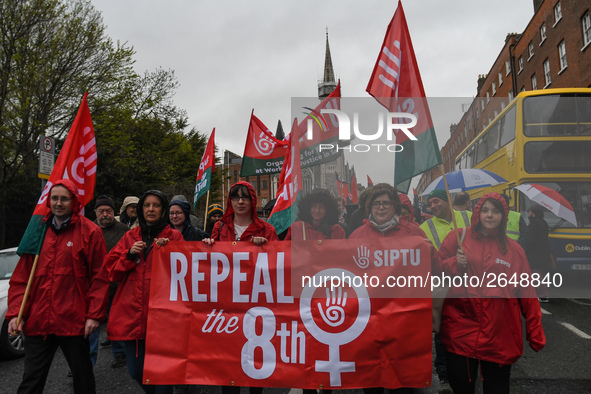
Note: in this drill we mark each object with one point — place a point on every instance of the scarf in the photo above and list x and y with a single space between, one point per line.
385 226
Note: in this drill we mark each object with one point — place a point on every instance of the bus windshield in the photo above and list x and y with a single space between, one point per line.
578 195
557 115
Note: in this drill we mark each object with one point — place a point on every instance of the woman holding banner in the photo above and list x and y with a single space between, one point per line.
241 223
481 325
319 218
130 264
384 207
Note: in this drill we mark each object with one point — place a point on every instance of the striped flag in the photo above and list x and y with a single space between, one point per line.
206 168
77 162
396 84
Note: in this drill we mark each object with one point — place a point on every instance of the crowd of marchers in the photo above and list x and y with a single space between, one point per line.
91 271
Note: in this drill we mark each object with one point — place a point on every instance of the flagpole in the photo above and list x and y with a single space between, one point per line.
206 207
453 215
27 290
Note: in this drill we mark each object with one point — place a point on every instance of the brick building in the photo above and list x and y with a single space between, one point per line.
554 51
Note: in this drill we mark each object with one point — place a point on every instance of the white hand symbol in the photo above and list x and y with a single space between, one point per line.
362 259
335 312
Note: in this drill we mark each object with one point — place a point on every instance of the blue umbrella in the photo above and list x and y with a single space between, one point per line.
462 180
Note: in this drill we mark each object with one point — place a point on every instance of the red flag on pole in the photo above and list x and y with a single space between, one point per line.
369 182
263 153
77 162
206 168
396 84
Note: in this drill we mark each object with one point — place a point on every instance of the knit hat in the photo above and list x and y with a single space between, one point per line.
104 200
215 209
439 193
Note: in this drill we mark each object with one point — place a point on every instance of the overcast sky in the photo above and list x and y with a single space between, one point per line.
231 57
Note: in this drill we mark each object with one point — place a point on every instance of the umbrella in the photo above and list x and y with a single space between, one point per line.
462 180
549 199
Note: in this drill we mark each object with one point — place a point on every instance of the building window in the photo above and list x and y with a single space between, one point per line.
520 62
547 73
557 13
235 176
534 82
510 95
586 24
487 98
542 33
523 88
494 88
562 55
507 67
500 78
530 48
264 184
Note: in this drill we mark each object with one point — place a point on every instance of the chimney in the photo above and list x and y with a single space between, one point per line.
481 79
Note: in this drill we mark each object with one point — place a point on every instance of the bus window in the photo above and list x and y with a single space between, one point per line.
458 164
465 160
493 139
557 157
508 127
481 148
471 157
557 115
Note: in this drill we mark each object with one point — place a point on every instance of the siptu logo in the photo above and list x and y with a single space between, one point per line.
362 259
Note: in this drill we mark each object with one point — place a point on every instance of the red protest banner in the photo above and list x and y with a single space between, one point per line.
238 314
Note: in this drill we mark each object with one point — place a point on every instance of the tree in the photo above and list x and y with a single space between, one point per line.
51 52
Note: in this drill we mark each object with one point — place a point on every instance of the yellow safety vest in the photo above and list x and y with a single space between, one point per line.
513 225
437 229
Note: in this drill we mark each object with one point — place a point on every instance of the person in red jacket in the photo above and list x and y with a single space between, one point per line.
481 325
384 208
68 296
241 223
130 264
319 218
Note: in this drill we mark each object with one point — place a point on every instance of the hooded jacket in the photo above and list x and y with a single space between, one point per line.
224 229
70 284
485 323
123 218
189 232
129 312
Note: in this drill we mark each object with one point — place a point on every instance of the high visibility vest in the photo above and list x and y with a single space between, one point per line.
513 225
437 229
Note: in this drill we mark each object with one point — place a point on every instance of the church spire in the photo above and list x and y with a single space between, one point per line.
328 84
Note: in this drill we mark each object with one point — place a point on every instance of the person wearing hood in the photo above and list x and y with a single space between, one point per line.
68 296
179 217
319 218
241 223
195 220
130 264
482 325
128 212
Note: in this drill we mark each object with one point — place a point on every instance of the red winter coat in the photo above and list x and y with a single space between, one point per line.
295 232
70 284
487 324
258 227
129 312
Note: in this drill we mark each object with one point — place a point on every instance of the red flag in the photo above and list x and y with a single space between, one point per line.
263 153
369 182
354 195
396 84
206 168
284 212
77 162
346 194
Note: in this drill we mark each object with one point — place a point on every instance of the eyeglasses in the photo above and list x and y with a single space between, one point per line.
378 204
236 198
61 199
175 213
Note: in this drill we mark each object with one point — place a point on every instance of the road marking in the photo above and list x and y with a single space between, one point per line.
545 312
576 330
578 302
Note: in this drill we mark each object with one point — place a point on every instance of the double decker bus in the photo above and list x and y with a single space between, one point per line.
543 137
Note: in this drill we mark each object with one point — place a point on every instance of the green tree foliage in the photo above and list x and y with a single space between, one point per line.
51 52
